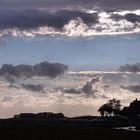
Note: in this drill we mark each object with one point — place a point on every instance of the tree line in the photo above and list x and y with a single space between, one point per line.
113 108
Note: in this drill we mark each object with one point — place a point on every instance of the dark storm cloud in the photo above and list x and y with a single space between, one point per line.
76 18
133 88
131 17
130 68
42 69
49 69
31 19
57 4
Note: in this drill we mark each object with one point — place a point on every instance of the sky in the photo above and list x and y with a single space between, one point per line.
99 53
85 35
68 56
73 94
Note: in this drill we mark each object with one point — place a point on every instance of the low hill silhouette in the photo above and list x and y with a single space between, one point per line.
132 110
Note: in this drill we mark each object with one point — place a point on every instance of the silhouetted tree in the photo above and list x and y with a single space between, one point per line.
111 108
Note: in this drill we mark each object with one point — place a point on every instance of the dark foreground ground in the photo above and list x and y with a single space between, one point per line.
37 129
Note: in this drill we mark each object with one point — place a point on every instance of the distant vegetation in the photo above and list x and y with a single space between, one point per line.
113 108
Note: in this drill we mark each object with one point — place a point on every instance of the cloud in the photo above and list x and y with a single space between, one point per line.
88 88
42 69
131 17
124 12
7 99
133 88
34 88
73 4
17 99
49 69
73 91
32 23
33 19
130 68
29 87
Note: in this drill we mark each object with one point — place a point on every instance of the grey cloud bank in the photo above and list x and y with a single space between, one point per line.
52 70
131 17
130 68
132 88
33 19
33 88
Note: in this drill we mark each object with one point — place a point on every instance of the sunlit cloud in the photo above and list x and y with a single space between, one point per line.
124 12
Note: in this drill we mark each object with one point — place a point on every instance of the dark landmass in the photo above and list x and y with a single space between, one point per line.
49 126
56 126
